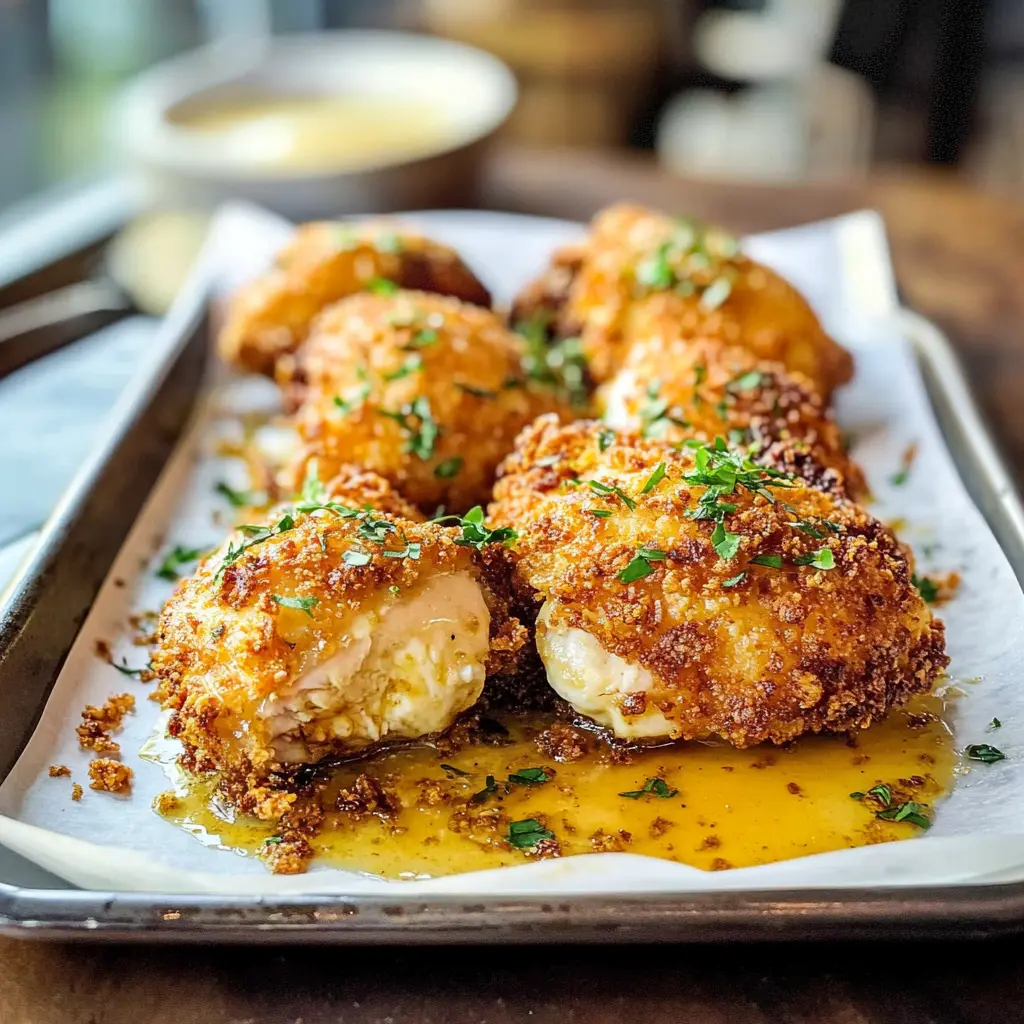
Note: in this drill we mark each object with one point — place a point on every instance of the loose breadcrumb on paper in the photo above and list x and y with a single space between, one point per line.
110 776
99 722
58 771
166 802
76 792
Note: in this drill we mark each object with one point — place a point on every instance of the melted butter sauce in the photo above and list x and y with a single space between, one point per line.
734 808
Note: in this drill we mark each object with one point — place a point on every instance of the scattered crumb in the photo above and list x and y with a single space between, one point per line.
286 856
545 849
765 762
110 776
368 796
166 801
720 864
119 583
98 722
659 827
564 742
794 788
103 651
432 793
605 842
711 842
58 771
76 792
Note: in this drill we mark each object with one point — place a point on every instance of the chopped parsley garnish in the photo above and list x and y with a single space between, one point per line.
820 559
605 439
926 587
450 769
175 559
475 533
641 565
356 557
599 513
745 381
416 419
655 787
490 788
902 475
355 400
302 604
700 374
716 293
559 364
526 834
608 490
909 811
389 242
654 479
412 364
423 338
529 777
239 499
411 550
123 668
772 561
733 581
654 413
655 271
995 724
984 752
726 544
381 286
272 840
449 468
476 392
254 535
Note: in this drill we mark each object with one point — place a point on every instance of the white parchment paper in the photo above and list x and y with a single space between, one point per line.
843 267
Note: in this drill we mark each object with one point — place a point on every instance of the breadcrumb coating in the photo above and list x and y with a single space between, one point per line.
424 390
324 262
674 389
266 654
109 776
648 275
728 647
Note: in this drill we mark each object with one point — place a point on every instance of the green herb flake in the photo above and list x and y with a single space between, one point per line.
654 479
475 532
726 544
272 840
820 559
530 777
356 557
926 587
733 581
175 560
527 834
772 561
745 381
910 812
984 752
608 490
995 724
412 364
490 788
641 565
450 769
902 475
381 286
605 439
239 499
416 419
599 513
655 271
423 338
449 468
135 673
656 787
302 604
716 293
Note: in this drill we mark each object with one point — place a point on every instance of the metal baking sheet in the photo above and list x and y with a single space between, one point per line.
65 573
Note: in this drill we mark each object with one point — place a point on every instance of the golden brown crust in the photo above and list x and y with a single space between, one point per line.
674 389
324 262
645 274
769 655
389 360
225 644
109 776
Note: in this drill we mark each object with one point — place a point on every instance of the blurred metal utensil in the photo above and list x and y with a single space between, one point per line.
143 267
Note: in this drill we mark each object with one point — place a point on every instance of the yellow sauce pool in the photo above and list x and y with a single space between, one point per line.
732 809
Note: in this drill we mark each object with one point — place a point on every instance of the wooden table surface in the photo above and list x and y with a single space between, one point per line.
960 260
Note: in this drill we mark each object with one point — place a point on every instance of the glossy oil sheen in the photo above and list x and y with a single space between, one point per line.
733 808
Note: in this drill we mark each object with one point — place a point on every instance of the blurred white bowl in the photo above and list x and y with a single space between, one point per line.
472 92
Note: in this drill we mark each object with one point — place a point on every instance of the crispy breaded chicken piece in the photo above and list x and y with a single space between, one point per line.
646 275
270 317
323 631
689 594
425 390
677 389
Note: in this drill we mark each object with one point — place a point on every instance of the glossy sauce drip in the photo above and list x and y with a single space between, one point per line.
733 808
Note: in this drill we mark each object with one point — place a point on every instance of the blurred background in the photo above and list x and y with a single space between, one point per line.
776 90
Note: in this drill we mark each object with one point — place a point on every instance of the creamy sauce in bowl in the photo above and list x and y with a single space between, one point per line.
310 132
